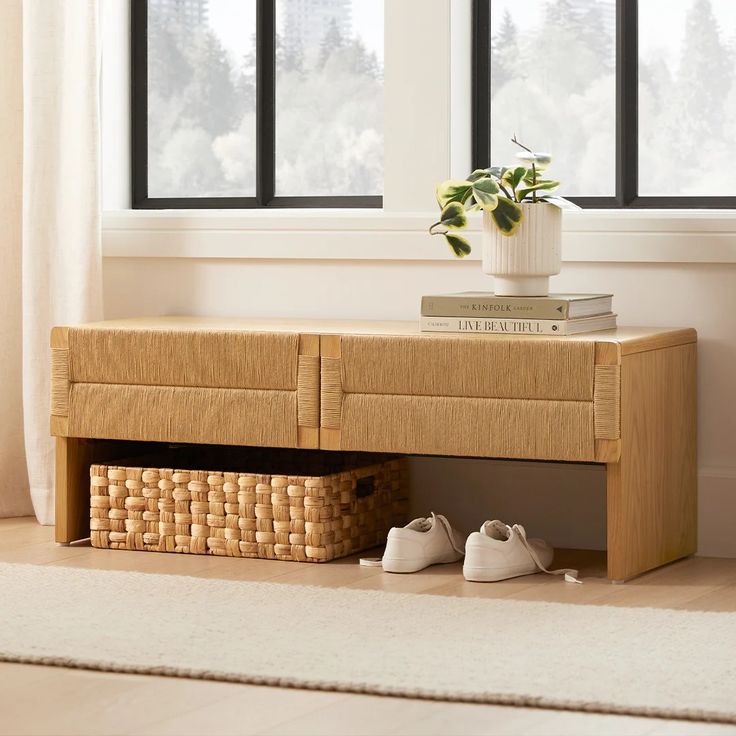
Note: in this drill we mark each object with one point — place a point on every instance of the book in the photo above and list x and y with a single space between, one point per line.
491 325
487 304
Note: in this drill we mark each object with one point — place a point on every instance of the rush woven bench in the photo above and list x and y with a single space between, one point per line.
625 398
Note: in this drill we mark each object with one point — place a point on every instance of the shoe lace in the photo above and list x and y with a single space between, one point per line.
571 576
450 535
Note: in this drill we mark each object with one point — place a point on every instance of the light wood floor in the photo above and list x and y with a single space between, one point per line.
51 700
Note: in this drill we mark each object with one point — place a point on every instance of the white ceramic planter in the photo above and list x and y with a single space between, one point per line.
523 262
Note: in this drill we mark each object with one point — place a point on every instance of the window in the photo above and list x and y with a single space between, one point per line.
635 100
257 103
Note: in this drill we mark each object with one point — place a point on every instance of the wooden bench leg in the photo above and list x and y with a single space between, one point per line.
652 489
73 457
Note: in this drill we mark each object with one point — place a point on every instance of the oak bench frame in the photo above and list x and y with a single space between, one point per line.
625 398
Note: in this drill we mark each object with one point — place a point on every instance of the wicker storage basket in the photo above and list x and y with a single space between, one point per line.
339 504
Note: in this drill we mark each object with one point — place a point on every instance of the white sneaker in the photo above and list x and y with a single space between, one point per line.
499 551
421 543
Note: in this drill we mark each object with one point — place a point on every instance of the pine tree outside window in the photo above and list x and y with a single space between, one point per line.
257 103
636 100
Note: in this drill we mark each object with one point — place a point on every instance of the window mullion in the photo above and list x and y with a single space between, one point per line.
265 101
627 101
481 84
139 101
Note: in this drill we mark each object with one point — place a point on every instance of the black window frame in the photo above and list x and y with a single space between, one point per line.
265 128
627 115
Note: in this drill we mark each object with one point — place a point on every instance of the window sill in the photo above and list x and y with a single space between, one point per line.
618 236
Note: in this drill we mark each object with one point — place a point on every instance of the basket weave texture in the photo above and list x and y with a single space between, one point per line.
284 517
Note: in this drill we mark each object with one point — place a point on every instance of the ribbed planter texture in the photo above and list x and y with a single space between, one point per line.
522 263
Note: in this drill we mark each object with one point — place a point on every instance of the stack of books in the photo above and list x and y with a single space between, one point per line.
483 311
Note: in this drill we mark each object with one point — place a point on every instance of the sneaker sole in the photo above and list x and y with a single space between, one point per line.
402 566
484 575
394 564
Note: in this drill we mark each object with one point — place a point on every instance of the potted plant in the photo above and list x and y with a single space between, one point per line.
522 222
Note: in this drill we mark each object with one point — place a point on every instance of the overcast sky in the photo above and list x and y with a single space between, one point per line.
661 22
234 22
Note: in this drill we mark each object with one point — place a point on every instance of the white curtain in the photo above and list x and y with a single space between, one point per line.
14 498
59 223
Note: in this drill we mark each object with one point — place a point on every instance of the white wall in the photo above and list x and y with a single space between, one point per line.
571 512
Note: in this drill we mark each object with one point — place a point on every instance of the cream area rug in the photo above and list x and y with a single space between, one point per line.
675 664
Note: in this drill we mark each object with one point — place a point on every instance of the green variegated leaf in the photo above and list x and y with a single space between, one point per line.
485 191
460 246
497 171
479 174
514 177
453 216
545 185
507 216
453 190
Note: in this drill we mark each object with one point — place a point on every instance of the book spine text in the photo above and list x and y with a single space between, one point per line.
494 308
499 326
